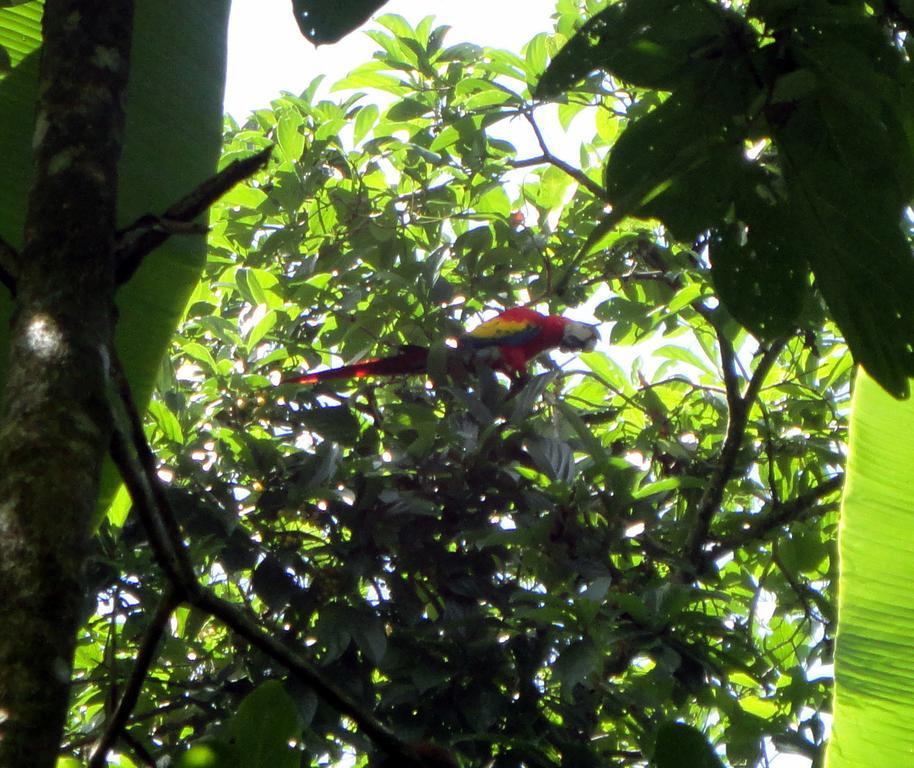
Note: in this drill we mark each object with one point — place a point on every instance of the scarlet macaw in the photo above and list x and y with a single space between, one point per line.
507 342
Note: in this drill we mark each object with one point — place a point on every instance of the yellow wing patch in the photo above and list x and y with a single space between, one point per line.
498 330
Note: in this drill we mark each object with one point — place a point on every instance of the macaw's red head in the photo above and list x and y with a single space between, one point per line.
578 337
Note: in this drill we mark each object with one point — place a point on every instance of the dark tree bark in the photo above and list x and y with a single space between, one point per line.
55 428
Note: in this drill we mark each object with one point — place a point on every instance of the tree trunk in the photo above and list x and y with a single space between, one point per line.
56 427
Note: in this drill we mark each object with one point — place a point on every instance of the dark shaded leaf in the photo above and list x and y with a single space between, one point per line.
578 661
368 633
335 422
327 21
759 266
651 43
273 584
263 726
529 395
682 746
851 227
552 457
334 631
679 163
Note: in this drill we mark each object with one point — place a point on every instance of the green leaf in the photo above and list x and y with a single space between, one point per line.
166 421
651 43
327 21
460 52
678 163
336 423
210 753
607 369
552 457
684 355
759 266
364 121
682 746
288 134
794 86
494 201
802 552
407 109
591 443
874 688
844 219
446 138
201 354
367 76
262 727
261 329
177 70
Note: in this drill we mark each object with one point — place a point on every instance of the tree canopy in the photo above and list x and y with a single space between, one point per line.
628 558
554 578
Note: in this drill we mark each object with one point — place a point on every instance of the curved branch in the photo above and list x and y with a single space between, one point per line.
578 175
739 408
136 463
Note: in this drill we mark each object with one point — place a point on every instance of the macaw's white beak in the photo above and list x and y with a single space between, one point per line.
579 337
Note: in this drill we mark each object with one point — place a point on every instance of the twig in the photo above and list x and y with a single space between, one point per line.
9 258
154 507
805 594
578 175
791 741
779 516
739 407
136 464
139 750
728 364
145 657
150 231
547 158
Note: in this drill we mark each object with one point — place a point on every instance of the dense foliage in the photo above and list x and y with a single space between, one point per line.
782 132
641 536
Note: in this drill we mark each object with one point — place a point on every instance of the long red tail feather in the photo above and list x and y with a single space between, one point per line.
410 359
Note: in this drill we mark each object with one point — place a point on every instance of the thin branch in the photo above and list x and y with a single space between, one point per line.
139 750
780 515
739 408
728 364
769 358
578 175
136 464
144 660
791 741
9 258
150 231
806 595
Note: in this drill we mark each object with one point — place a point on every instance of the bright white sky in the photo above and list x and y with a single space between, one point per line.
267 55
